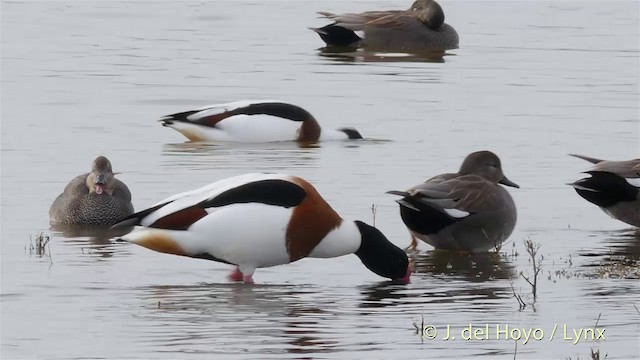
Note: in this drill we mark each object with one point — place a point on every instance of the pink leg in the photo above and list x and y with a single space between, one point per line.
247 272
236 274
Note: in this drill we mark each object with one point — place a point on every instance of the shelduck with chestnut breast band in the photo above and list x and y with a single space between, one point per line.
253 122
261 220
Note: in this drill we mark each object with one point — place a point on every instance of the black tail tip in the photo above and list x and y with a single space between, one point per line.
335 35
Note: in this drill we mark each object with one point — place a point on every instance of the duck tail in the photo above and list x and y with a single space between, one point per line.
587 158
399 193
135 219
318 30
578 186
334 35
169 120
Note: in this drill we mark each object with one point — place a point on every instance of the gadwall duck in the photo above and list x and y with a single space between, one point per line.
261 220
466 210
420 27
614 186
95 198
253 121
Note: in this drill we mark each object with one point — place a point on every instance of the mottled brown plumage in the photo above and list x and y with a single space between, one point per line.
94 198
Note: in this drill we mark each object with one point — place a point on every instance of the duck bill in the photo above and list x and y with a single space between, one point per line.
508 182
100 184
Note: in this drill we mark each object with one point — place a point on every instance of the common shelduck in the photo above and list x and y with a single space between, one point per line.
614 186
253 121
466 210
95 198
419 28
261 220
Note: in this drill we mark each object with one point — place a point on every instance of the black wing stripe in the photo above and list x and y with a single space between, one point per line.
181 116
283 110
270 192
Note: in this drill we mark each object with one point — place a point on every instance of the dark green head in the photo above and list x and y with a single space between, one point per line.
379 255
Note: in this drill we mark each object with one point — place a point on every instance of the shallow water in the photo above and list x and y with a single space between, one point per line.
532 81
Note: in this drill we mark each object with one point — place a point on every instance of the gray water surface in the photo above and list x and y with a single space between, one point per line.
532 81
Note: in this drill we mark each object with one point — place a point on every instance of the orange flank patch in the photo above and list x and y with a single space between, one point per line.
310 222
180 220
161 242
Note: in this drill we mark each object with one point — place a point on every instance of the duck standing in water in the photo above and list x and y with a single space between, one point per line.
96 198
261 220
467 210
614 186
253 122
419 28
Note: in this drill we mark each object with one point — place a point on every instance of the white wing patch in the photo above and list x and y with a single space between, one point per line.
455 213
633 182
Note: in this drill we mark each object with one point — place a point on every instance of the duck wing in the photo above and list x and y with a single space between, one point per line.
180 211
455 198
358 21
211 115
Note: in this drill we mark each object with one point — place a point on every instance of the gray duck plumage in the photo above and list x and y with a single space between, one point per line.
614 186
419 28
94 198
467 210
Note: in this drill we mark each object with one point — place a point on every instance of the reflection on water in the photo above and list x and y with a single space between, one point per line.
214 313
616 256
95 242
299 319
270 157
382 294
351 55
466 266
95 233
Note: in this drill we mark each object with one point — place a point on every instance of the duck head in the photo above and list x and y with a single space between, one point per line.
100 179
379 255
487 165
429 12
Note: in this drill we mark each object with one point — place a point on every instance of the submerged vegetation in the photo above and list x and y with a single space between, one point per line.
39 246
534 260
